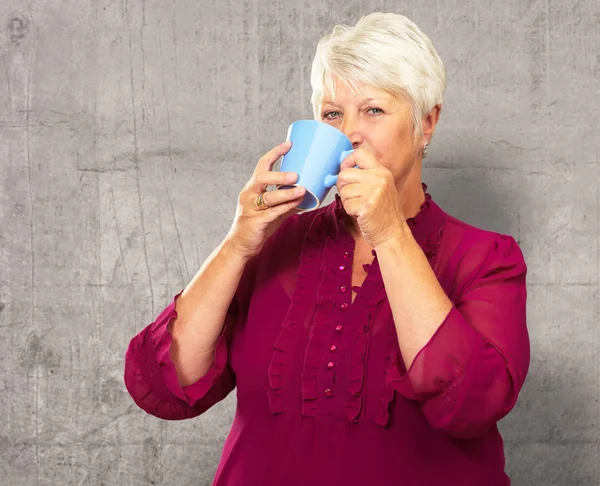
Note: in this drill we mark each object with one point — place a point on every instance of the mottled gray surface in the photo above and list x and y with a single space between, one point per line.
127 130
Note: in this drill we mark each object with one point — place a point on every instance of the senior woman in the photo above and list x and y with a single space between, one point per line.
374 341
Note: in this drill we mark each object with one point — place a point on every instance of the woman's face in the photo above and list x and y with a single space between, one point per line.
379 122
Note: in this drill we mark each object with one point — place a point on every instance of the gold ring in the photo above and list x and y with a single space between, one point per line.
260 201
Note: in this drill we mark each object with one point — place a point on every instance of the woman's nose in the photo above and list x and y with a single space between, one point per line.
350 129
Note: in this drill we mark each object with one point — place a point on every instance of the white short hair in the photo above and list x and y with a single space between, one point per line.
385 51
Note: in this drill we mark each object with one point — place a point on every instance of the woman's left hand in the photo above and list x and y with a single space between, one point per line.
369 194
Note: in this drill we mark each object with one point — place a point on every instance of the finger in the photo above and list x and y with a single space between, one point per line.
350 191
361 158
348 162
353 176
283 208
283 196
271 178
267 161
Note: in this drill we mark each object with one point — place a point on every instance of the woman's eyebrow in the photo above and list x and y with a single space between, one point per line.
361 102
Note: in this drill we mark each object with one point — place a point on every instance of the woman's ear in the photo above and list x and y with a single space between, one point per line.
430 121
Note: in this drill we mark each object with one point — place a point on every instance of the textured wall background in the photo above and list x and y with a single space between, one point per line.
127 129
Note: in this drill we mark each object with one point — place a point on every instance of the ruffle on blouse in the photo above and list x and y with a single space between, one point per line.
382 412
161 341
280 364
431 244
355 401
321 325
423 209
312 365
329 294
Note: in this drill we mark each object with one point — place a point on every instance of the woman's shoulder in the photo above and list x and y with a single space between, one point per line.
470 239
470 231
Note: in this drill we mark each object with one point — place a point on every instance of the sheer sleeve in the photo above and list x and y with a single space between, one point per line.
151 377
467 377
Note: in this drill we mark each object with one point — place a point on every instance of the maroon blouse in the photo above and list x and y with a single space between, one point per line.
323 397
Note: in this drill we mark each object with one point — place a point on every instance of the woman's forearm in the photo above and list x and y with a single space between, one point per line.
201 311
418 302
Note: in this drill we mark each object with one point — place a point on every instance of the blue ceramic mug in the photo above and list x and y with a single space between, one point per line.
317 152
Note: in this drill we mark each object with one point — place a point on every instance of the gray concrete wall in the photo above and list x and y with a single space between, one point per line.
127 129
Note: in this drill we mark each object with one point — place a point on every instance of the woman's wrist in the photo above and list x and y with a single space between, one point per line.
229 249
402 234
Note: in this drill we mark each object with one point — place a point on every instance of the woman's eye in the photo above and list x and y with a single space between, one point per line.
330 115
326 115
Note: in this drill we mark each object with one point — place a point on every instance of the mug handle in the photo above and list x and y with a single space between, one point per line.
331 180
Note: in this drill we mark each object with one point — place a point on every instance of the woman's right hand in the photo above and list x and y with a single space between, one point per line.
252 225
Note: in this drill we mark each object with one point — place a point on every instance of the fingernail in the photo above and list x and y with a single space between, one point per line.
298 190
290 176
